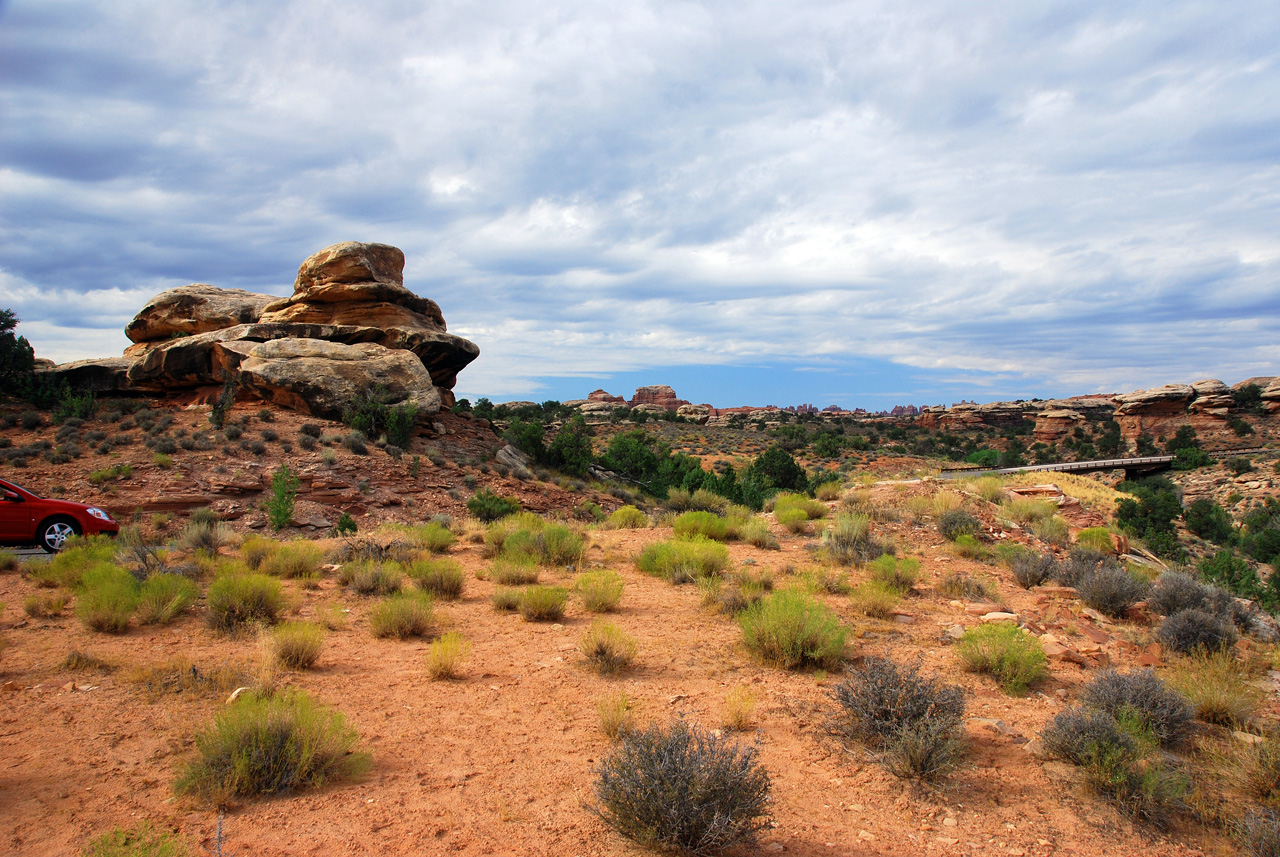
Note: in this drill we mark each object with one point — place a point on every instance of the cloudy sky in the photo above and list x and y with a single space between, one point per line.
853 203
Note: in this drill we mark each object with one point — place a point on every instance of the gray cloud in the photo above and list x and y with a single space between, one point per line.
1073 193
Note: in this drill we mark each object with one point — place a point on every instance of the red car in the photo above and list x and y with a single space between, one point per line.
26 519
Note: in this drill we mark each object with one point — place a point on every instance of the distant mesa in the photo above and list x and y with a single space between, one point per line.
350 325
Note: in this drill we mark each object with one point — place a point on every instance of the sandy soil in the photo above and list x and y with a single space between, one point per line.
501 761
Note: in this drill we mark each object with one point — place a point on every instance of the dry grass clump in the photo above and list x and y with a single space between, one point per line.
297 645
543 603
1218 686
442 577
180 675
828 491
627 518
108 597
1260 768
600 591
874 598
706 524
433 537
44 606
615 714
1027 510
8 561
1090 492
1005 651
1096 539
164 597
897 574
1053 531
271 744
683 560
370 578
255 549
207 537
813 509
965 587
80 661
849 541
791 629
756 532
141 840
739 709
235 600
293 561
506 599
607 648
446 654
403 615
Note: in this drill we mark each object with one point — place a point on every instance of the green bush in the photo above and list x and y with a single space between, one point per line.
434 537
514 571
968 547
543 603
266 745
370 578
627 518
897 574
443 578
875 598
795 520
293 560
607 648
954 523
141 840
284 494
235 599
812 508
791 629
403 615
683 560
297 645
1095 538
849 542
487 506
506 599
1209 521
108 598
681 788
705 524
600 591
164 597
346 524
1005 651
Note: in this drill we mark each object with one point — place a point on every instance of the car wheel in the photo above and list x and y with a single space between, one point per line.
54 533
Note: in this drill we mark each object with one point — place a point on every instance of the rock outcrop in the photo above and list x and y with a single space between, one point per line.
659 395
599 395
349 325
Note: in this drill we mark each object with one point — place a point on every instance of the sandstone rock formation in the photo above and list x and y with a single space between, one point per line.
349 322
660 395
599 395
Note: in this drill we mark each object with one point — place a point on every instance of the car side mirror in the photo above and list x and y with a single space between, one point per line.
13 496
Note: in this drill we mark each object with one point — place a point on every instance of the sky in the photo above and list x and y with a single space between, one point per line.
757 202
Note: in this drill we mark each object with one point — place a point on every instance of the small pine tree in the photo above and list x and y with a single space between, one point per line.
284 493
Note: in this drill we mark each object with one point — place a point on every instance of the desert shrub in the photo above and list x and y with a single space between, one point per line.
346 524
954 523
514 571
1081 564
506 599
615 717
8 561
1026 510
849 540
600 591
874 598
965 587
1053 531
297 645
68 566
915 723
1095 538
1196 630
1260 768
1111 590
627 518
708 501
1079 734
543 603
706 524
265 745
969 547
683 560
254 549
164 597
897 574
235 599
791 629
812 509
434 537
607 648
42 606
739 707
1258 833
200 536
294 560
370 578
1218 688
443 577
548 544
1032 569
1006 652
403 615
487 506
108 599
1144 697
445 654
794 520
682 788
141 840
989 488
755 532
1176 591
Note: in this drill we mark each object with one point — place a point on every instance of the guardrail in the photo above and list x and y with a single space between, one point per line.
1136 463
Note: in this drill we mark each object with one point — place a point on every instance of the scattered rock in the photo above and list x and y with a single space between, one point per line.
999 616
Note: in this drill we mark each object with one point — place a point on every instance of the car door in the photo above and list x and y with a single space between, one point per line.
15 514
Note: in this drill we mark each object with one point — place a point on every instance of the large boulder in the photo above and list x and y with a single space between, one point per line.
321 378
104 375
1168 399
197 308
660 395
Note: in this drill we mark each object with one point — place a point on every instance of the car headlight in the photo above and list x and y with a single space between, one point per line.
98 513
